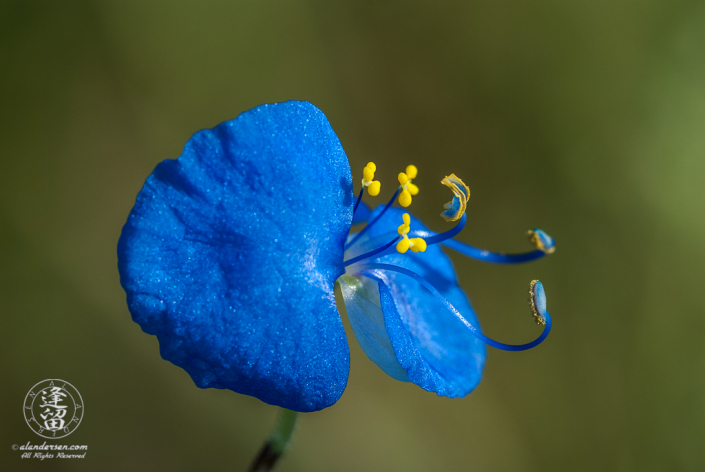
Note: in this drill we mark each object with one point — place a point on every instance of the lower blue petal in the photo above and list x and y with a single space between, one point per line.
438 352
231 252
362 214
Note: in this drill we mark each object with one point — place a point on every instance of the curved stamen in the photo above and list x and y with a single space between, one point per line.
480 254
490 342
371 223
359 199
471 251
448 234
371 253
433 238
493 257
541 240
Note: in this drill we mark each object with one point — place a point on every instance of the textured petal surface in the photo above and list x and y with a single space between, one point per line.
231 253
437 351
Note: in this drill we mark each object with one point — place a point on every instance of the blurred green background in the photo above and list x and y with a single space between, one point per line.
583 118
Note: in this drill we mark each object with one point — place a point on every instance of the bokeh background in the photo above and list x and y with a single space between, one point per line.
583 118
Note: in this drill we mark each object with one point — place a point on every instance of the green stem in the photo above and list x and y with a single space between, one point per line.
284 430
277 443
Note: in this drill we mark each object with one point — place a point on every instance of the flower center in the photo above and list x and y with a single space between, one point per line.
420 240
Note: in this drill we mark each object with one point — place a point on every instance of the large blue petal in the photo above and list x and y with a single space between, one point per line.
231 253
438 352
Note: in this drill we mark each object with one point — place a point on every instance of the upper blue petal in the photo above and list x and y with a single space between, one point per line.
231 251
438 352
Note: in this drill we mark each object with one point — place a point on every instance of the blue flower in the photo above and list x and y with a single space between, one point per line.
231 254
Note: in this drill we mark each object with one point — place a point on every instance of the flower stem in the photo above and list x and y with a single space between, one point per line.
277 443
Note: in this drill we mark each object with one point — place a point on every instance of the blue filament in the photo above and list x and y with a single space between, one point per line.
359 199
435 239
451 308
448 234
367 255
493 257
473 252
369 225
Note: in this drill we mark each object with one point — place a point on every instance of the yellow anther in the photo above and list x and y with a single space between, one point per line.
456 207
411 171
373 188
417 244
403 245
408 189
368 174
535 311
541 241
405 228
405 198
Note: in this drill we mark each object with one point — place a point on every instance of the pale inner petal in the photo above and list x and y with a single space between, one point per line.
361 296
